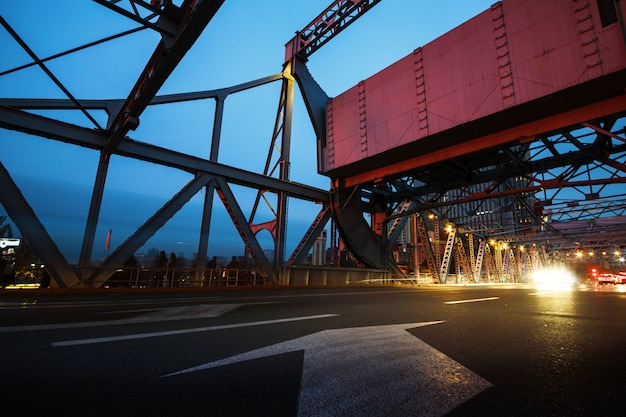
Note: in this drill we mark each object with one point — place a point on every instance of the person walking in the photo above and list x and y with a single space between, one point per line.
211 272
159 274
171 267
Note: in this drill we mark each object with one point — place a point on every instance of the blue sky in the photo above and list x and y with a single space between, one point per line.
245 41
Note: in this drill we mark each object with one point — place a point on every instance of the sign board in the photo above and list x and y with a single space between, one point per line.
9 242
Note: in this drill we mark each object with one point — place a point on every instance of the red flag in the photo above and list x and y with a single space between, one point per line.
107 244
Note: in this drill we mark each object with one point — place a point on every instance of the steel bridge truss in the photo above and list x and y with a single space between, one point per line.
564 190
475 259
558 190
179 27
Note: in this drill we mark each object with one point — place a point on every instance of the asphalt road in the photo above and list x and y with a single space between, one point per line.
394 351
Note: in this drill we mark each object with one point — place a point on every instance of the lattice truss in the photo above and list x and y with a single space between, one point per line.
106 126
565 188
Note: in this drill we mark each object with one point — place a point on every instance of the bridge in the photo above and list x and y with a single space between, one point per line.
497 148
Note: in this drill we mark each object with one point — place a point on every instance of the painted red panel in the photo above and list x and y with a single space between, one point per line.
343 132
609 39
545 52
516 53
390 107
462 82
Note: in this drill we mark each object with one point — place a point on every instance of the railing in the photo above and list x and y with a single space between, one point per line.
141 277
300 275
311 275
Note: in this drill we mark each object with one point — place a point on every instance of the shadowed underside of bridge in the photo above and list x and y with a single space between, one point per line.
509 128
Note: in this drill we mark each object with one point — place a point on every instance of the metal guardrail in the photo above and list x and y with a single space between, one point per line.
141 277
311 275
301 275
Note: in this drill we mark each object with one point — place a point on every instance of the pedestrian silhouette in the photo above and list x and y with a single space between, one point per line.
159 275
171 266
233 264
211 267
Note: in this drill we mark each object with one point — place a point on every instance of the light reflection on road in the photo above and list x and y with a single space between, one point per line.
621 288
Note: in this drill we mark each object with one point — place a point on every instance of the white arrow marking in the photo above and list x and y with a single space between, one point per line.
378 370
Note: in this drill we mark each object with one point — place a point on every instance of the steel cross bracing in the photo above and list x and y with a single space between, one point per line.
524 192
444 267
178 28
535 188
181 28
463 264
327 25
430 256
563 190
150 14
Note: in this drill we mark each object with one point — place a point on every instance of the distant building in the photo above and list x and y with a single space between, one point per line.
319 250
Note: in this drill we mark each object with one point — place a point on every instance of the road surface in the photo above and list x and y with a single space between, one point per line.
379 351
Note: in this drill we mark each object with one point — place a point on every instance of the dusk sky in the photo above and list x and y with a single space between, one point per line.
245 41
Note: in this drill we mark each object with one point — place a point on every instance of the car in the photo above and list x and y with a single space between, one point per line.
606 279
620 278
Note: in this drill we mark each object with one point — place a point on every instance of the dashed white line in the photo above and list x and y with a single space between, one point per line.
183 331
474 300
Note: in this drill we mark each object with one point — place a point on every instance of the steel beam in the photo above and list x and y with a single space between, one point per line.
35 233
326 26
127 249
308 240
245 231
41 126
516 135
167 55
46 70
94 209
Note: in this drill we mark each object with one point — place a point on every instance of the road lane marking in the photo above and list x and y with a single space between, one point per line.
183 331
40 304
474 300
198 311
376 370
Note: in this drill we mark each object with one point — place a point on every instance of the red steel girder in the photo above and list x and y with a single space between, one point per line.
519 134
326 26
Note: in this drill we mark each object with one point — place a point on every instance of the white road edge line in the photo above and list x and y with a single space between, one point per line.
183 331
472 300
